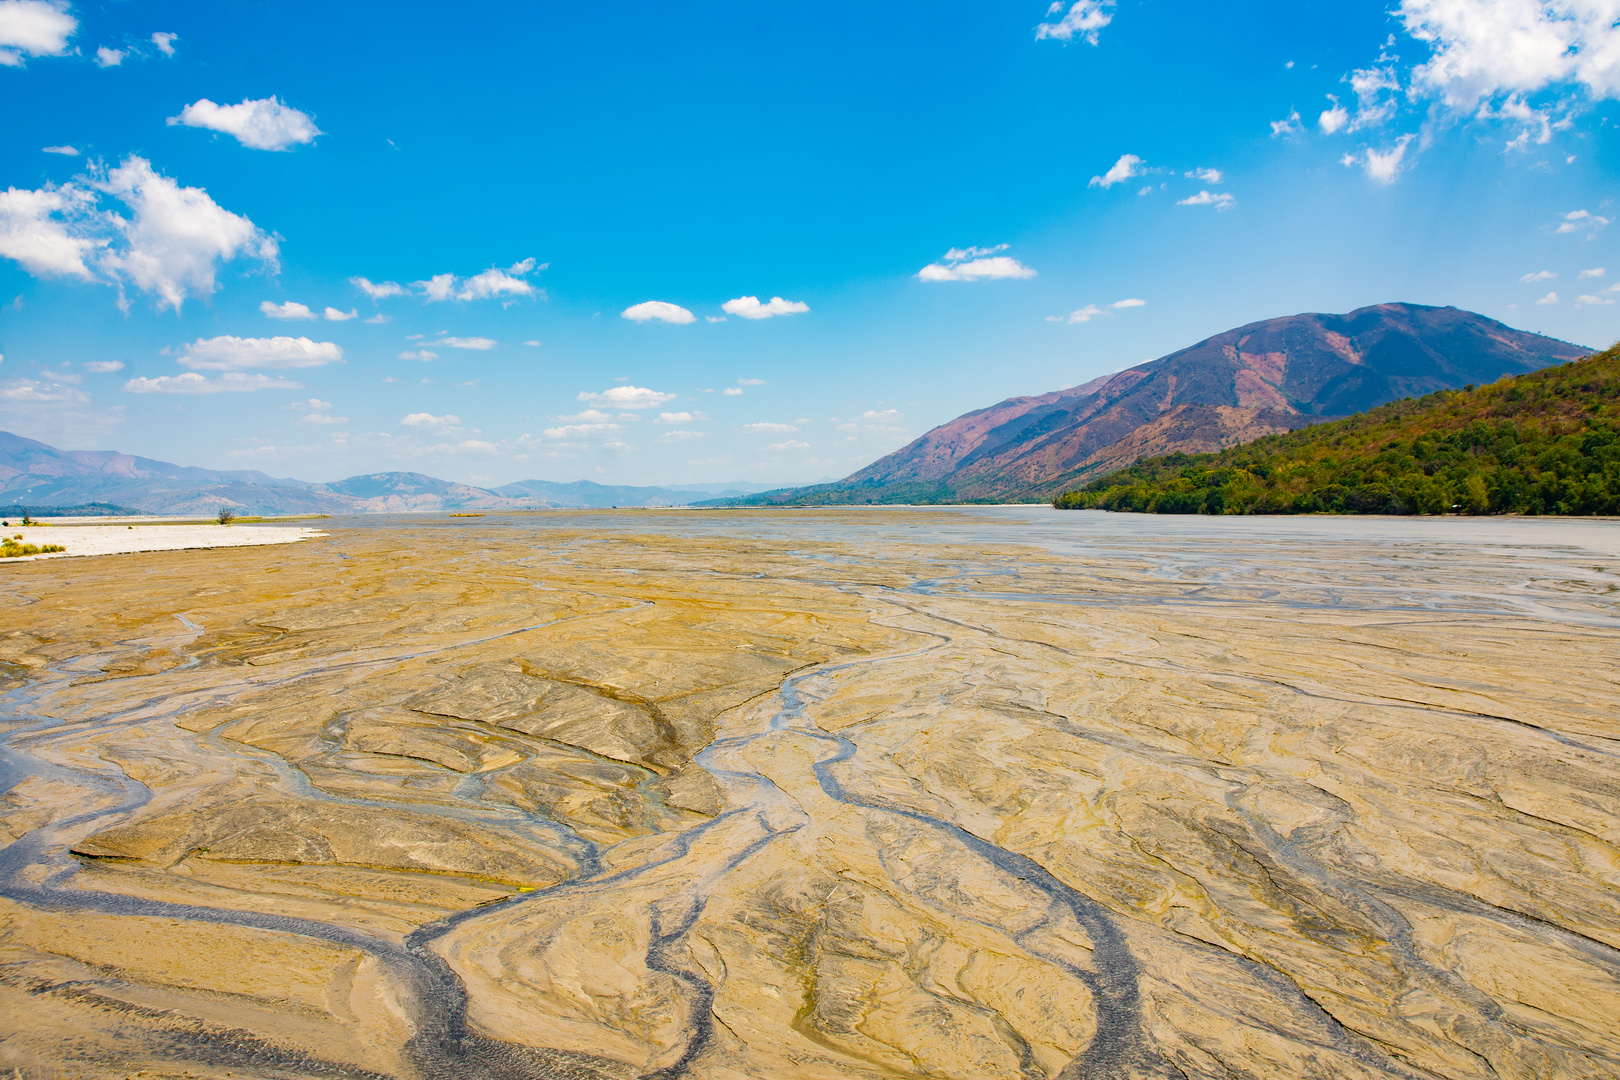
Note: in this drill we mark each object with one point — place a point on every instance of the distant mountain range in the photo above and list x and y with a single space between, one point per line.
1259 379
41 478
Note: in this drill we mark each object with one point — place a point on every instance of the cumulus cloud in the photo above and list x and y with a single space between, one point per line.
749 307
686 417
662 311
569 432
1375 89
1540 275
1333 119
1083 20
1381 166
731 391
491 283
481 344
1130 303
104 367
1482 48
628 397
192 383
229 353
311 405
1582 221
65 151
33 28
378 290
429 422
682 435
35 392
286 311
975 264
323 418
423 355
165 42
1286 127
262 124
1596 271
169 246
1219 200
769 429
334 315
1127 166
790 444
1208 176
1587 300
107 58
1550 298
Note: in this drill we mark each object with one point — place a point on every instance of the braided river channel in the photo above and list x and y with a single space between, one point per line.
998 792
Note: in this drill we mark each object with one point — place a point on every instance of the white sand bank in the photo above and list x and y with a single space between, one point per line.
122 539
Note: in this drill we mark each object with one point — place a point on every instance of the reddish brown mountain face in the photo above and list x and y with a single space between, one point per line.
1232 388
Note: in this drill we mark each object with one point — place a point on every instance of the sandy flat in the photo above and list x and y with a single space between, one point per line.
123 539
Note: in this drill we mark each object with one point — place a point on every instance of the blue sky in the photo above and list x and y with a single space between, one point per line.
690 243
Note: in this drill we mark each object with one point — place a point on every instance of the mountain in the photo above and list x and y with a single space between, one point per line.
1266 377
43 479
1543 443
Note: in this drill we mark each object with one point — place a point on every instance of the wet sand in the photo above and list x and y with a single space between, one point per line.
971 793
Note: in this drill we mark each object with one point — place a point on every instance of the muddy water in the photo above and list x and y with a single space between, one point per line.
979 793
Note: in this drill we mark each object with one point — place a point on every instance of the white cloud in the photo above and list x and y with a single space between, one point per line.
682 435
975 264
481 344
104 367
1550 298
1375 90
311 405
262 124
1287 127
1586 300
575 431
731 391
791 444
1127 166
176 236
492 282
1220 201
34 392
323 418
65 151
33 28
228 353
749 307
46 230
1208 176
1133 302
378 290
1333 119
1578 220
1596 271
752 382
165 42
648 310
687 417
1381 166
286 311
423 355
1481 48
1083 20
769 429
334 315
532 344
1540 275
107 58
1079 315
447 422
193 383
628 397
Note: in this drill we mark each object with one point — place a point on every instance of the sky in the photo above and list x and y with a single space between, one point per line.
671 244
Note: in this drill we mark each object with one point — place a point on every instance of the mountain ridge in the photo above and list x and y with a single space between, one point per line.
1261 378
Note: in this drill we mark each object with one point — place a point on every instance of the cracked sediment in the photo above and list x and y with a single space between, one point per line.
976 794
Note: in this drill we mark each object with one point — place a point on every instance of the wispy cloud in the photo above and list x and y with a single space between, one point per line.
378 290
259 124
1582 221
103 367
1219 200
480 344
975 264
65 151
1129 303
1381 166
491 283
1127 166
1287 127
1595 272
1083 20
1539 275
192 383
1208 176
